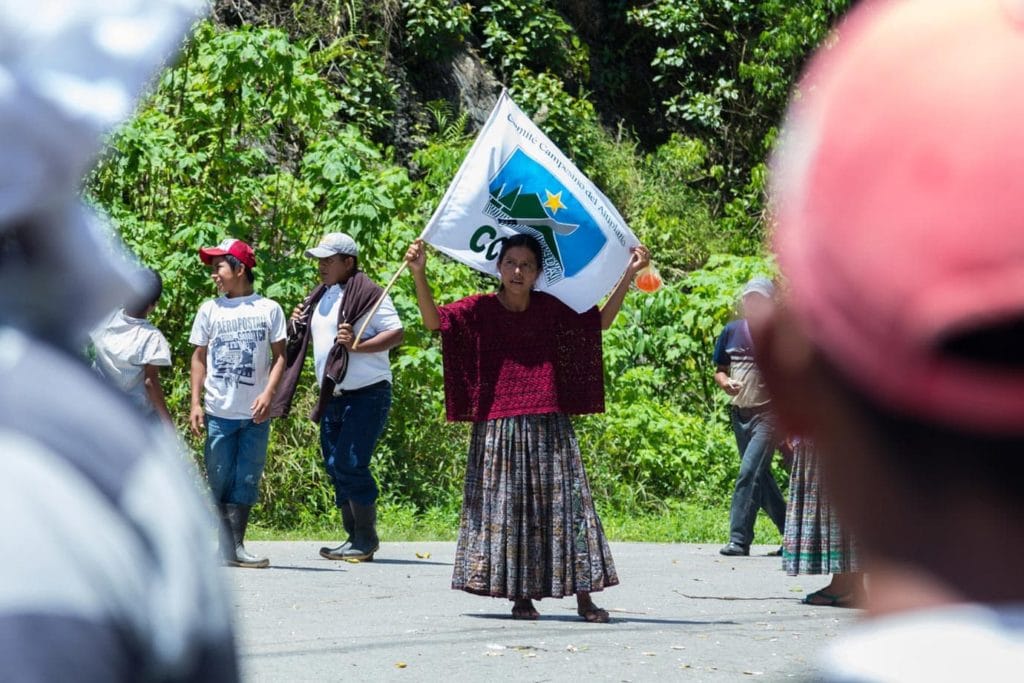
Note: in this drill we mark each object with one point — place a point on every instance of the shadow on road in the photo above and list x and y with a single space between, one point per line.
617 618
379 560
293 568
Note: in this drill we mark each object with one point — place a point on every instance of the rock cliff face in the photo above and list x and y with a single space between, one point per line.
465 80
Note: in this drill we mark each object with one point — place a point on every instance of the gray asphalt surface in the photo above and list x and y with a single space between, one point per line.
681 611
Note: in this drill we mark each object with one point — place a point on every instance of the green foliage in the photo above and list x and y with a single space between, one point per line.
665 429
435 28
570 122
366 96
672 521
724 70
530 34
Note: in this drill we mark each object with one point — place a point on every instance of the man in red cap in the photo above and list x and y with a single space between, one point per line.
898 194
237 363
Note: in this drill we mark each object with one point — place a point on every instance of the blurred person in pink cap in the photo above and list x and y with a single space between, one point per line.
237 364
898 195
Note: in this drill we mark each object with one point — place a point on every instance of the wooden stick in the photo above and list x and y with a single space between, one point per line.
394 279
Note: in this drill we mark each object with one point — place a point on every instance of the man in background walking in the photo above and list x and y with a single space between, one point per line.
752 420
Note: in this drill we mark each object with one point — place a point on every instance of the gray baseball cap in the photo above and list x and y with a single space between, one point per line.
760 285
334 243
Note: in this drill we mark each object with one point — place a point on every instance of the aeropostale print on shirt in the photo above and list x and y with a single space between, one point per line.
234 346
237 333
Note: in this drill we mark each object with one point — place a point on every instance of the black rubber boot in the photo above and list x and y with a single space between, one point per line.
348 520
238 520
225 539
364 541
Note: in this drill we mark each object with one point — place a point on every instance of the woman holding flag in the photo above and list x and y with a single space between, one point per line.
518 363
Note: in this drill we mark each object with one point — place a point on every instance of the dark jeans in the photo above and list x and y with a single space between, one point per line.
349 429
757 439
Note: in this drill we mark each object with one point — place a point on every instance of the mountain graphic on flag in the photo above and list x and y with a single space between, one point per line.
526 197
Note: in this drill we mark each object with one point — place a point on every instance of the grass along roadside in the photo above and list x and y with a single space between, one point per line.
677 523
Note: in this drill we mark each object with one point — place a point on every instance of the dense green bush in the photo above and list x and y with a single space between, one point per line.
724 70
435 28
530 34
569 121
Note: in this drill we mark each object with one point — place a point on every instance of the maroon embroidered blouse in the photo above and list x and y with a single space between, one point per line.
501 363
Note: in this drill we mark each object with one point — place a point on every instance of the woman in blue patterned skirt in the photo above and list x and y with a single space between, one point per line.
814 542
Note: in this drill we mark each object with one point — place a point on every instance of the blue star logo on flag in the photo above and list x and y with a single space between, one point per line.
526 197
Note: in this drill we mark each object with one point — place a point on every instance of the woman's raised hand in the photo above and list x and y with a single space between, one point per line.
416 257
641 259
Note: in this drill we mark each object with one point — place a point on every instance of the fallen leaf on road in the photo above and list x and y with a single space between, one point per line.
400 665
423 556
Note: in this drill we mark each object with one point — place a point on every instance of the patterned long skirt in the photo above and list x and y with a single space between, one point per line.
814 542
529 528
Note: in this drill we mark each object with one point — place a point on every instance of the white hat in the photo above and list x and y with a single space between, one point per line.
334 243
69 73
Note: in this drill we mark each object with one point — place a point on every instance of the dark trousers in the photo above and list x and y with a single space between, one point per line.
757 439
349 429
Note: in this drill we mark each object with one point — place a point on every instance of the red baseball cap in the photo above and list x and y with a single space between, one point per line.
230 247
898 196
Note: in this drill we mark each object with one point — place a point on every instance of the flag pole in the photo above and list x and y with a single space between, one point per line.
380 300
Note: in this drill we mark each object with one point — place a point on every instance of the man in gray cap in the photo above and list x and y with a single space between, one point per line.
752 420
354 381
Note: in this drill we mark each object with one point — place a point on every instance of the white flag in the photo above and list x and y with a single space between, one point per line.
514 180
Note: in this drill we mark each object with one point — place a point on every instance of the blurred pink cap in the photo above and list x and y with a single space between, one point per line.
898 193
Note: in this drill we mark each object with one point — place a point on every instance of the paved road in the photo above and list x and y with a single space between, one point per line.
682 612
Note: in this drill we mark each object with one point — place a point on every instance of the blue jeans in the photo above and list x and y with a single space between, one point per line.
349 429
236 451
757 439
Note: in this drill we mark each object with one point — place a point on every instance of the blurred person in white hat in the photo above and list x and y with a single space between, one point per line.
104 577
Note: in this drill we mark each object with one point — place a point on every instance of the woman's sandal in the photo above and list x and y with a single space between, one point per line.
823 599
594 615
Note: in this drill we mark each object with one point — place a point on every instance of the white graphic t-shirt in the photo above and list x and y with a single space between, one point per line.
364 369
124 346
237 333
